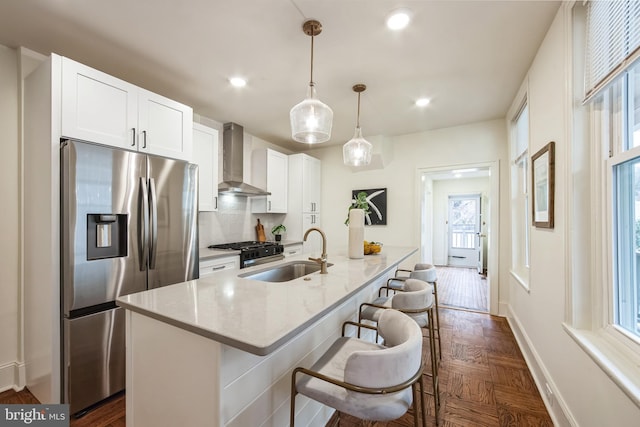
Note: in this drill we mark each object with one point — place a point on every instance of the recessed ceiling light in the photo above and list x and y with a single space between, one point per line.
422 102
398 19
238 81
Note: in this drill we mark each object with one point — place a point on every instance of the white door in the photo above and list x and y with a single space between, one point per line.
464 229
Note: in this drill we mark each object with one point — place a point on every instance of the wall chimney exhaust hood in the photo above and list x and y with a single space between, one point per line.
232 164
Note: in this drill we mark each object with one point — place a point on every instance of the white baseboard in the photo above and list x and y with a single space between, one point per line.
555 404
12 376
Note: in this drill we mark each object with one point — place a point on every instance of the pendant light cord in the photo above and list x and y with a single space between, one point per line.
358 119
311 80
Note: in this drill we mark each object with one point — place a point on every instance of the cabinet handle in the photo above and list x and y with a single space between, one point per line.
269 205
219 267
144 139
133 137
216 202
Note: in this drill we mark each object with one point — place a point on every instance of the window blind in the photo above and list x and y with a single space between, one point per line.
613 41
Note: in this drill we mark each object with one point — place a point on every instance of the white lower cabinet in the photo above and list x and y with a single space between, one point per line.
217 265
292 250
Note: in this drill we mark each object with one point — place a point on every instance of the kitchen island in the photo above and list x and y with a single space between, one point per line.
218 351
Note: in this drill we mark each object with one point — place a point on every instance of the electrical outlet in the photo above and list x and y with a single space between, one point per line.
549 393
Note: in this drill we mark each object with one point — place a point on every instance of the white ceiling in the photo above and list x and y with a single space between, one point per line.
469 57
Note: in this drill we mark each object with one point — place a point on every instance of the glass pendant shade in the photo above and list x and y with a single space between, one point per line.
357 152
311 119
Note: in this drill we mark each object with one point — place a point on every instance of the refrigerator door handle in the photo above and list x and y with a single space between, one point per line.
153 201
143 224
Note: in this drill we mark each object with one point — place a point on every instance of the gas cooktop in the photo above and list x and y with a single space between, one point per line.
250 244
253 252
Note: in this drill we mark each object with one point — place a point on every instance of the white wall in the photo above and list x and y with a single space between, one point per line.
10 224
474 143
584 395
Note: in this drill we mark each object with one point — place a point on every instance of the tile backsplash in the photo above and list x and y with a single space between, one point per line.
234 222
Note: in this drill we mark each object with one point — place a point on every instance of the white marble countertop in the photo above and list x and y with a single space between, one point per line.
257 316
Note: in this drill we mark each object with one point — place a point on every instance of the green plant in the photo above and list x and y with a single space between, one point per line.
360 202
278 229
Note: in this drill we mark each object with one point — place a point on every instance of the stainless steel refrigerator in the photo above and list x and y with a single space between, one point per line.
128 224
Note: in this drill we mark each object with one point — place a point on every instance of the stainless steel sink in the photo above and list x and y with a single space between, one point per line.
284 272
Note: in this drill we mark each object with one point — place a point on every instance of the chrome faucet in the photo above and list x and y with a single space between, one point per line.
323 258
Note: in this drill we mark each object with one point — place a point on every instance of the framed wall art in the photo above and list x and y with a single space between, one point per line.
377 199
542 183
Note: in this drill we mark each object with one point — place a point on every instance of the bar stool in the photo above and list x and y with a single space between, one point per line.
415 299
428 273
342 377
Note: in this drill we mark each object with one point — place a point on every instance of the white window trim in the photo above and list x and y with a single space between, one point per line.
608 346
521 277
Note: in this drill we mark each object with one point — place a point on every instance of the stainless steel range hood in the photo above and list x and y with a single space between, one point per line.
232 164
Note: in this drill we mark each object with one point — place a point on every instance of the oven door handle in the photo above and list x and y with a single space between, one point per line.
263 260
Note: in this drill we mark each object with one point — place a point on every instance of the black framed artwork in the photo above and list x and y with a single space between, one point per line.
377 198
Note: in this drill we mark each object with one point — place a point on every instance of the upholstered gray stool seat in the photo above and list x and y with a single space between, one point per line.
416 299
368 380
427 273
333 363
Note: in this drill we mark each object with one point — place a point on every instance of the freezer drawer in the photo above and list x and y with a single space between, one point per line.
94 357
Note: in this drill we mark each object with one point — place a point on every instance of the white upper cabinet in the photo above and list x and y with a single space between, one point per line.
269 170
304 183
304 200
205 154
100 108
310 184
165 126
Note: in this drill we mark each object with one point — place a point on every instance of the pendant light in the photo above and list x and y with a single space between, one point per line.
357 152
311 119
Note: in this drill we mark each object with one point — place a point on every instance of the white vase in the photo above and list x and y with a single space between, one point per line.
356 233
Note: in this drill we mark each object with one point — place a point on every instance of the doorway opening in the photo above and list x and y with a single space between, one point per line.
465 222
459 221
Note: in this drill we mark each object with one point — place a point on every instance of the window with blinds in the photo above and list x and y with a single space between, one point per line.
613 41
612 87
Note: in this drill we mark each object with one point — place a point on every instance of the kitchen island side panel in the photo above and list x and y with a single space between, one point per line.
172 375
175 377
